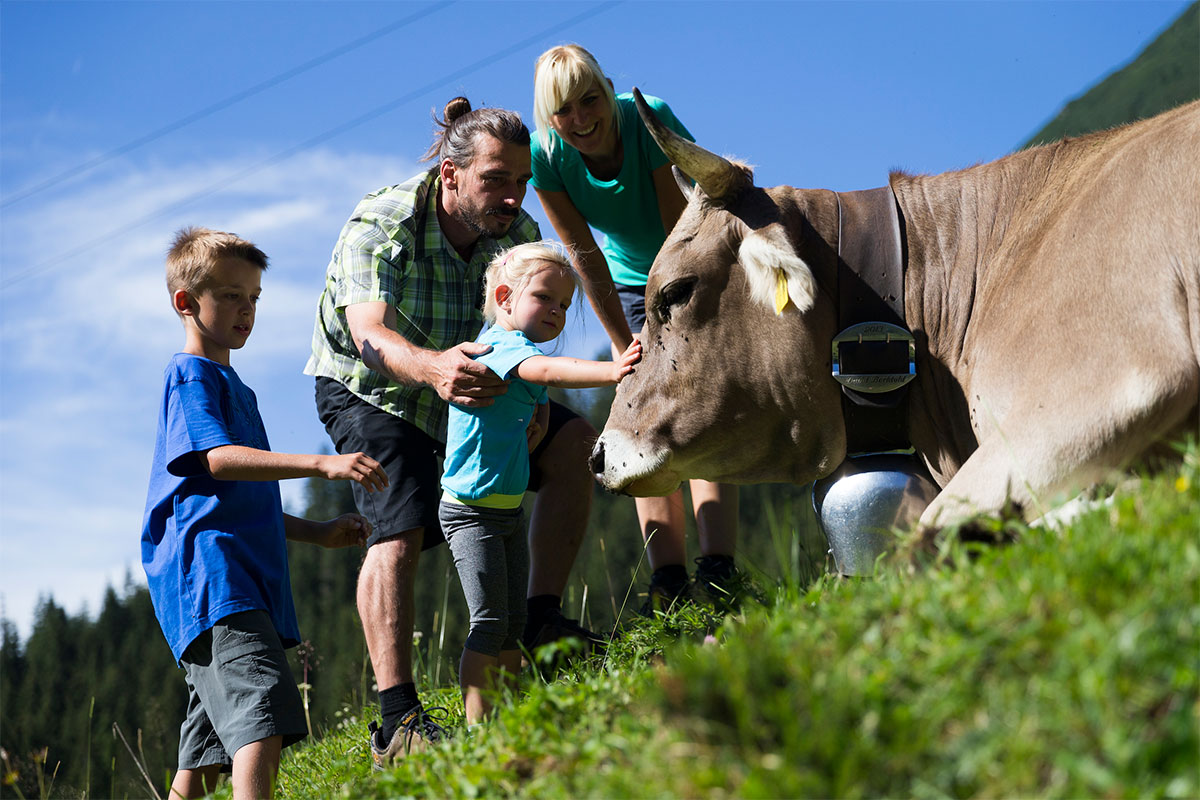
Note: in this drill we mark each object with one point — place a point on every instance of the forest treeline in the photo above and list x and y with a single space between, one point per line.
64 689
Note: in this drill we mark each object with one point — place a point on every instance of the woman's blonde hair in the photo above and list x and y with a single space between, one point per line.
561 73
516 265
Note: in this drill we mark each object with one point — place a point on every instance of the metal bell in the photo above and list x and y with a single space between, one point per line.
863 499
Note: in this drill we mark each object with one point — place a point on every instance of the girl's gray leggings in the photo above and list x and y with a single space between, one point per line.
491 553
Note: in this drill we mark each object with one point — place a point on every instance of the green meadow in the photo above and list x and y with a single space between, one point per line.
1063 664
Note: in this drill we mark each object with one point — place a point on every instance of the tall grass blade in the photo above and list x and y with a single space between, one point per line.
87 770
612 594
583 606
137 761
442 632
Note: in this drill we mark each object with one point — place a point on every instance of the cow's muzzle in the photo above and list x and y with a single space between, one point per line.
620 467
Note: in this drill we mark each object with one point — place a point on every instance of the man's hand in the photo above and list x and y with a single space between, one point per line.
460 379
354 467
348 530
453 374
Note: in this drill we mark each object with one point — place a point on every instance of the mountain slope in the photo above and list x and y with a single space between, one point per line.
1164 75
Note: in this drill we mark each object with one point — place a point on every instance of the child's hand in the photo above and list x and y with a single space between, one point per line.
354 467
534 433
624 365
348 530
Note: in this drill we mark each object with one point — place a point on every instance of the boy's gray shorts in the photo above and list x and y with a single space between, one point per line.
240 690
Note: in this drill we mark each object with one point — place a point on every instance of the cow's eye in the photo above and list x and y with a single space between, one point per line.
675 293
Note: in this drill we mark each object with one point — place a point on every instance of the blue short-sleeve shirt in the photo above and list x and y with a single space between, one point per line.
211 548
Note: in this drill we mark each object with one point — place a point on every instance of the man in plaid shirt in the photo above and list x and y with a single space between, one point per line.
393 344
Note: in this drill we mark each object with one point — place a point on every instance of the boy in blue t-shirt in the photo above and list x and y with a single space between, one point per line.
213 536
529 289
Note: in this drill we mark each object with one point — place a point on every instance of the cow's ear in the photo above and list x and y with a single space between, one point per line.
684 183
777 276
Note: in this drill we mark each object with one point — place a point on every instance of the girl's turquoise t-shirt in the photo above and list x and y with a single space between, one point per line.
487 451
624 209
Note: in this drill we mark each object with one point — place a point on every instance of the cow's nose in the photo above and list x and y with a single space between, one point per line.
596 459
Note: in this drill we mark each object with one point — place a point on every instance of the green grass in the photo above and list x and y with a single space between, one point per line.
1063 665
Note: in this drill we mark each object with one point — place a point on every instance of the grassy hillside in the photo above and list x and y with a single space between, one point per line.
1064 665
1164 75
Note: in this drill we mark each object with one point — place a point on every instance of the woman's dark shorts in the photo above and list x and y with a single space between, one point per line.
633 303
410 457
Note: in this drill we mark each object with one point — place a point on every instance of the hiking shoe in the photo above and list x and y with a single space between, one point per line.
556 627
720 582
663 600
418 729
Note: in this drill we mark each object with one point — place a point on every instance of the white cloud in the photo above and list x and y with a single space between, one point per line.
284 217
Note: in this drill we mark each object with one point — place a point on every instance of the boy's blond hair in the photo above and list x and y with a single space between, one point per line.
196 251
561 73
516 265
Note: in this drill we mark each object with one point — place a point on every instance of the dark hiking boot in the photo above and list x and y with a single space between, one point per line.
661 599
721 583
555 627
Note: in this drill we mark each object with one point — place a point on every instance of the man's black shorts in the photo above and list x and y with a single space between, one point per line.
410 457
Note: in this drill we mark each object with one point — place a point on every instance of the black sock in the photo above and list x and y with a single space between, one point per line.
538 609
394 703
672 579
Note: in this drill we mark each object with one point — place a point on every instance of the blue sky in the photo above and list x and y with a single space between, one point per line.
122 122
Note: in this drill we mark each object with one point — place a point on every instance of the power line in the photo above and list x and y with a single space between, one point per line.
236 97
307 144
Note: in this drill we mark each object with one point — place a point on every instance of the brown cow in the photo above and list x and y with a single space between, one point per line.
1053 298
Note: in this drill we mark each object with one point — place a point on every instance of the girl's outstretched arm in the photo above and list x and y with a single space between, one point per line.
575 373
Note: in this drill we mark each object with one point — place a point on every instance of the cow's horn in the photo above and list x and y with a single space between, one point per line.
716 176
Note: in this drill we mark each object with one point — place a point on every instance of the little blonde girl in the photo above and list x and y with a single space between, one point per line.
529 289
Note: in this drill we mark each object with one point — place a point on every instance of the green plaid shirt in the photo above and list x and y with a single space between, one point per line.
392 249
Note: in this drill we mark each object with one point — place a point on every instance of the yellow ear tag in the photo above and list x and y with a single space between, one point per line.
781 292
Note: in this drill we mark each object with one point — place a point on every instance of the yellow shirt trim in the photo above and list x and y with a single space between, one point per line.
488 501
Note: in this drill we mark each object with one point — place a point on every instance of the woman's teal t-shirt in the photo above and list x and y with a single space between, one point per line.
624 209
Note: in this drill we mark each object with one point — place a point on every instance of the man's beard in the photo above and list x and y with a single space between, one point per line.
476 220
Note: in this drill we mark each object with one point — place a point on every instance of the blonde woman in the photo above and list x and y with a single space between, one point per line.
596 166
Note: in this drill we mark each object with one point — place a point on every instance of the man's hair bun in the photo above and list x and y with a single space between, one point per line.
456 108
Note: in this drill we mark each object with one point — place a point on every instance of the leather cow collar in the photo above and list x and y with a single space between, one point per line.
874 356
